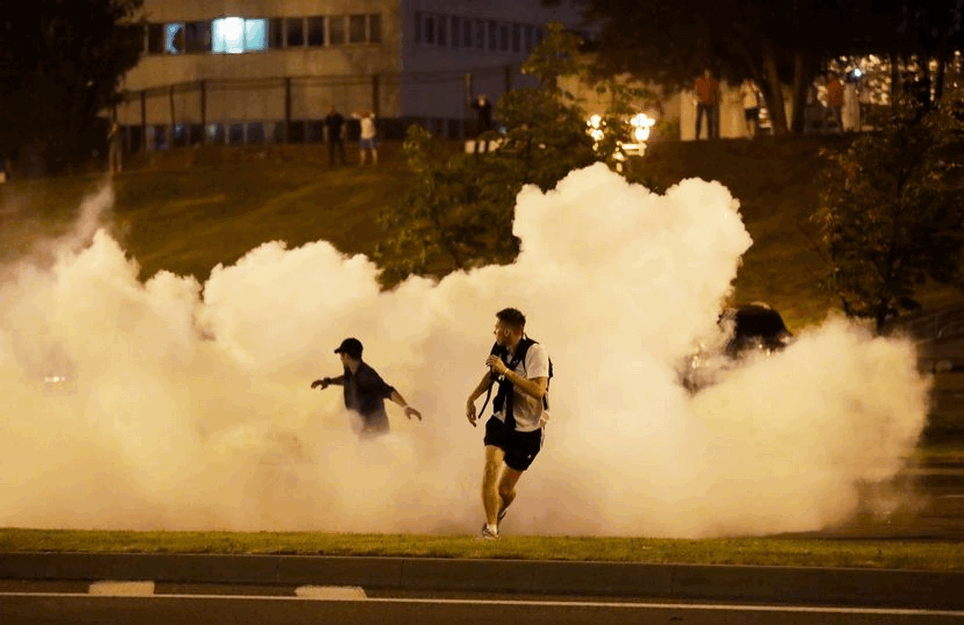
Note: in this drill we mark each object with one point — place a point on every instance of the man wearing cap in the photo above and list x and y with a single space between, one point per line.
365 391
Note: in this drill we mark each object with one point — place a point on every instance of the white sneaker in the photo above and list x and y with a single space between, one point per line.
488 534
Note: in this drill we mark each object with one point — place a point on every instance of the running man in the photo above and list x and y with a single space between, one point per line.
515 432
365 390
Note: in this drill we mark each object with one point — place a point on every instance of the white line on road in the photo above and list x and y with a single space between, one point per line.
511 602
121 589
332 593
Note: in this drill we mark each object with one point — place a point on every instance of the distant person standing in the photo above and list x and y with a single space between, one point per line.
365 391
334 124
483 120
750 96
707 91
835 100
515 432
115 148
366 141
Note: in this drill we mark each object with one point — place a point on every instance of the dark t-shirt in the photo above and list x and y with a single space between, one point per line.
334 122
366 392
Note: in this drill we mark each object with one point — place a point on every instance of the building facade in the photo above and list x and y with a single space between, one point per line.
261 71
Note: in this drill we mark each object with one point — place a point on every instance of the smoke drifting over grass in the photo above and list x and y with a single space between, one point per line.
188 406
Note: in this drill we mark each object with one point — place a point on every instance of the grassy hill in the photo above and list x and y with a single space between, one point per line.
188 210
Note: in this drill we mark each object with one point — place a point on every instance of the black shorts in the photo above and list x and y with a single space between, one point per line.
520 448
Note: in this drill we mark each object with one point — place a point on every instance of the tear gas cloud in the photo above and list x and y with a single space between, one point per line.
188 406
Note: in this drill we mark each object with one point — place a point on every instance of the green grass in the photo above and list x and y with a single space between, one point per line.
748 551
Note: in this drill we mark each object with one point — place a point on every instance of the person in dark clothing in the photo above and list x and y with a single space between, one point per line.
483 121
365 391
335 123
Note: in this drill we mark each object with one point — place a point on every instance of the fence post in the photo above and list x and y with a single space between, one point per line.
375 95
204 111
144 121
287 109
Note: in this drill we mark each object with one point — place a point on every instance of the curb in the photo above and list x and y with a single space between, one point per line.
773 584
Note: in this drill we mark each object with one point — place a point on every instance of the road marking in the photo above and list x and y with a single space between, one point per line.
710 607
121 589
331 593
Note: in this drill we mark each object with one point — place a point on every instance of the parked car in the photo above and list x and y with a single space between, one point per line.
750 328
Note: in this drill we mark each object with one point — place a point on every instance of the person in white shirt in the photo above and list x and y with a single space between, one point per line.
515 432
366 141
750 96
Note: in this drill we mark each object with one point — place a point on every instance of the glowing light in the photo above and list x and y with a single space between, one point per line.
858 73
228 35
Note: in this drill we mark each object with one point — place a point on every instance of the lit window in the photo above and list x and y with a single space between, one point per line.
255 35
234 35
228 35
174 38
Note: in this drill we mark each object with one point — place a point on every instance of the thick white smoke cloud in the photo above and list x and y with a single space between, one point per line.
188 405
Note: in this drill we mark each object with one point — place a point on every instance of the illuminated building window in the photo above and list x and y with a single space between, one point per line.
234 35
174 38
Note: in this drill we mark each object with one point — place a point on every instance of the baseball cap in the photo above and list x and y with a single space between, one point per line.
350 346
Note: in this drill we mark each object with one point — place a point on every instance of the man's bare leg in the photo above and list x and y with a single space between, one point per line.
510 477
491 500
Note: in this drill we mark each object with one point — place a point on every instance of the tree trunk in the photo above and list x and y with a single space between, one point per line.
773 93
803 72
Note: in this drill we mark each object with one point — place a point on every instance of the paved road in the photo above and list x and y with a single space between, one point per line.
33 609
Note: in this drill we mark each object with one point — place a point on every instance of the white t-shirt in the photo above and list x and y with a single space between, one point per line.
367 127
528 411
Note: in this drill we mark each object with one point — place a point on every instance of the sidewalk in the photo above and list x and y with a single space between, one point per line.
750 584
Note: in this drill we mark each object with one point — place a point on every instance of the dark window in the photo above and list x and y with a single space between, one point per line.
295 31
443 31
314 131
493 36
160 137
135 138
516 37
255 133
456 32
236 134
155 38
467 33
504 37
356 29
174 38
195 134
530 37
375 28
276 33
180 135
428 29
197 36
480 34
336 29
296 132
316 31
418 28
275 132
540 35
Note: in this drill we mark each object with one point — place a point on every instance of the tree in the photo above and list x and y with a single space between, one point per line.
777 43
457 212
891 215
60 64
